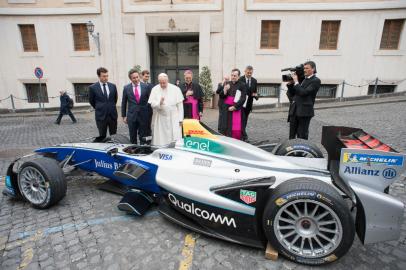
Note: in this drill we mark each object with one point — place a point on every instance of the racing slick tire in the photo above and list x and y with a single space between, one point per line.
42 182
119 138
308 222
299 148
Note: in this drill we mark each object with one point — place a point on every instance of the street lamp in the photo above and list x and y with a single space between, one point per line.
96 37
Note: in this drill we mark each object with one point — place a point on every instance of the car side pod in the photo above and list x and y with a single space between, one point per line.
135 202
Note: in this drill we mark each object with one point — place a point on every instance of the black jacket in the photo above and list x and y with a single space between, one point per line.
136 111
64 109
250 90
302 97
240 86
103 107
197 93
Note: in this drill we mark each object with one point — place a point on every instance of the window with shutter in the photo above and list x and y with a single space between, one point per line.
329 35
28 37
391 32
270 34
80 37
34 95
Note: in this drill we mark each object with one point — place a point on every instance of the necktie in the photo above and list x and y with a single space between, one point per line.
136 94
104 90
249 82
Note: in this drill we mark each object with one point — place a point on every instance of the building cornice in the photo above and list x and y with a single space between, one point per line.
96 9
252 5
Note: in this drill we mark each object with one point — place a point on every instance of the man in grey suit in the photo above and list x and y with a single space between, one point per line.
135 110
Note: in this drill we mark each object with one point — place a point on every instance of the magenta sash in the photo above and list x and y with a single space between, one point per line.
236 128
194 103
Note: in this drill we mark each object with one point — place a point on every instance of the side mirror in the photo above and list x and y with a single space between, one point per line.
112 152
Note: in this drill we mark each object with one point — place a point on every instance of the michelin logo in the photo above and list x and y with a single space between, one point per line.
373 159
204 214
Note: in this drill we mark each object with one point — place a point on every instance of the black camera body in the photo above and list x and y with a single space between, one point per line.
299 70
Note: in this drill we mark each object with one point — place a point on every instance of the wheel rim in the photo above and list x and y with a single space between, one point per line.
33 185
308 228
300 153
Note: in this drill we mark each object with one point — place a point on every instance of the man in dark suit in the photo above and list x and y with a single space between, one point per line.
103 98
251 86
302 96
145 79
138 112
65 108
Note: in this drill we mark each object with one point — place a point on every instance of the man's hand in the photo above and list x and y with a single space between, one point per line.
125 120
294 77
226 89
231 109
189 93
254 94
162 101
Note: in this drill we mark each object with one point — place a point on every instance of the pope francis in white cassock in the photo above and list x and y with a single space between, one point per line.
167 104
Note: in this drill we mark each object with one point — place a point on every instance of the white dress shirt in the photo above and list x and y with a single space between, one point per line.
107 88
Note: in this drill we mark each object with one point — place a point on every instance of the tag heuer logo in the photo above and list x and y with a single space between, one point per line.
248 196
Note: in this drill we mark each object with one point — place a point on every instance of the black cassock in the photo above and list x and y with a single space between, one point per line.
192 105
231 123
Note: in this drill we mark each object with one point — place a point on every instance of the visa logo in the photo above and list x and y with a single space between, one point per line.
165 156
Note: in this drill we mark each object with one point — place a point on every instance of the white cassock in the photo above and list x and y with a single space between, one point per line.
166 117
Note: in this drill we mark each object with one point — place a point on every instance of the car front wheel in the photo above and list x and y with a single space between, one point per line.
308 222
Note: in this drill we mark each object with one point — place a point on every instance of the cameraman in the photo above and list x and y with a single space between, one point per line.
301 97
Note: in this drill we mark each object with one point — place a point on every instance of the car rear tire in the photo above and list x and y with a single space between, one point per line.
41 182
299 148
308 222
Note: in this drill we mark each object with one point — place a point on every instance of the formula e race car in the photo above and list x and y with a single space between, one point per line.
286 195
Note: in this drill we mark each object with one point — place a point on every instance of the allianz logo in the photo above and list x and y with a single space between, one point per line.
360 171
201 213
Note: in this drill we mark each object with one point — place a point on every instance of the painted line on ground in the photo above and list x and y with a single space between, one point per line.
91 222
187 251
28 254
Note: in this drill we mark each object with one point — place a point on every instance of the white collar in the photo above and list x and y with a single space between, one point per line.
310 76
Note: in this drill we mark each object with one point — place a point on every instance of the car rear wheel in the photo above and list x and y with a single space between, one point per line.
299 148
308 222
42 182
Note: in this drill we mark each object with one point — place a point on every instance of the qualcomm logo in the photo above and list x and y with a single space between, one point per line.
192 209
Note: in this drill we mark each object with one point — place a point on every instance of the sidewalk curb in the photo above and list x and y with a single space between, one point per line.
38 114
332 105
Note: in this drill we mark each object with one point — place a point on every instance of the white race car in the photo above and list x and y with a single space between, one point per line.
306 207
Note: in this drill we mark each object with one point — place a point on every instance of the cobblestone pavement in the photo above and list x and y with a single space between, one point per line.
87 231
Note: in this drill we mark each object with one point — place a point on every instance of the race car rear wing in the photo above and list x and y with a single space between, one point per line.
363 168
334 138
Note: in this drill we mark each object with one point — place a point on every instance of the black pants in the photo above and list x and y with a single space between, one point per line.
141 128
103 125
58 120
246 113
299 127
